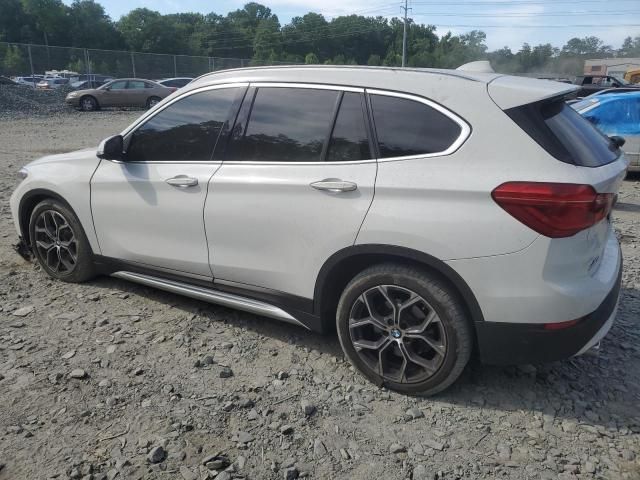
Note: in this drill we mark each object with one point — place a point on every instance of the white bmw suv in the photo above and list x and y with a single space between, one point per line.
423 214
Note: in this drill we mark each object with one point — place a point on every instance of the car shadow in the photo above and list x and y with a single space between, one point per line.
600 390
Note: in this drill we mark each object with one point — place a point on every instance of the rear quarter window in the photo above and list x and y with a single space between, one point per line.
407 127
564 133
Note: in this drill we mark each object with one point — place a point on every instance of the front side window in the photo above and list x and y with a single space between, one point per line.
407 127
186 130
349 140
120 85
285 125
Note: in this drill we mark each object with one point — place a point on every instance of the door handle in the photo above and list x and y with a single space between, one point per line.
334 185
182 181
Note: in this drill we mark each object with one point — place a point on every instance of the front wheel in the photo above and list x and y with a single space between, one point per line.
404 328
59 242
88 104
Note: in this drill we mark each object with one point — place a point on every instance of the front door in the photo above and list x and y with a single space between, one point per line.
294 188
114 95
148 209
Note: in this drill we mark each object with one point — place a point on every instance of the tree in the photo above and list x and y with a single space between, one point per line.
14 62
147 31
374 60
51 20
311 59
630 47
91 27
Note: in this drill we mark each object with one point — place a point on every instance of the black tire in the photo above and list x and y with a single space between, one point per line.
88 103
438 300
68 243
151 102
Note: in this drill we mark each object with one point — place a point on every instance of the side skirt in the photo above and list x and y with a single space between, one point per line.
212 296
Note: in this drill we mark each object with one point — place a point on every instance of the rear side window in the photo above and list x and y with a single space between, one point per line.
285 125
406 127
186 130
564 134
349 141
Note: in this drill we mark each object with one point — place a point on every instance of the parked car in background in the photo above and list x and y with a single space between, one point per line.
177 82
7 81
616 115
123 92
254 189
31 81
594 83
52 83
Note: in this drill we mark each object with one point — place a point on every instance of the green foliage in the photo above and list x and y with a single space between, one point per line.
14 62
253 31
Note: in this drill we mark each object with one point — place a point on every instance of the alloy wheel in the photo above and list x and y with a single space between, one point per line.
397 334
87 104
56 242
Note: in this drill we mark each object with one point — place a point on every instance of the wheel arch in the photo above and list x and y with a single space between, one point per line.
343 265
29 201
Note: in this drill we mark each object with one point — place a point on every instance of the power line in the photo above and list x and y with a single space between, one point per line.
526 15
509 2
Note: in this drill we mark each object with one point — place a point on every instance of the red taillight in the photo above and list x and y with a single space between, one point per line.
554 210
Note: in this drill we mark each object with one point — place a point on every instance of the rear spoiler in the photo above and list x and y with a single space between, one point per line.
509 91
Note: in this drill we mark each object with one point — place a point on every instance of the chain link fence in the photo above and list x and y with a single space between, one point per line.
19 59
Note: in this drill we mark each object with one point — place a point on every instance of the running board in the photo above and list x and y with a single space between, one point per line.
211 296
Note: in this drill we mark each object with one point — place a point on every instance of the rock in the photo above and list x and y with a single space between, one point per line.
435 444
245 403
344 454
589 467
223 476
156 455
282 375
226 372
420 472
253 415
286 429
111 349
187 474
104 383
397 448
319 450
23 311
628 455
78 373
308 408
291 473
244 437
68 355
414 413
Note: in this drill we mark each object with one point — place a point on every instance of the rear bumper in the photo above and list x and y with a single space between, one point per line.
503 343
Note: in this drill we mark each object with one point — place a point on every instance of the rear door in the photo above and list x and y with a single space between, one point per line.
294 188
114 95
137 92
149 208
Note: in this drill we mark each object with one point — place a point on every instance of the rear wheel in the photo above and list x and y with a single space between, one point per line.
153 101
404 329
59 243
88 104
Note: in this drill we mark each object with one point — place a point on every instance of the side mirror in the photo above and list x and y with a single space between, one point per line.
111 148
617 141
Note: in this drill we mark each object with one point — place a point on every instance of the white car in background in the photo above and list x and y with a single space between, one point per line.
421 214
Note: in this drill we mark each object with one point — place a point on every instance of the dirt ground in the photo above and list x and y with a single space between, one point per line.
172 388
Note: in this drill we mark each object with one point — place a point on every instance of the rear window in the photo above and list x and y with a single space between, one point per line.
564 134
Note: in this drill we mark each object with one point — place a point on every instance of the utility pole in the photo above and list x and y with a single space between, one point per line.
404 34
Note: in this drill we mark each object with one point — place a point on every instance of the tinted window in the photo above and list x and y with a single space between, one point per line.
135 84
186 130
349 138
286 125
563 133
406 127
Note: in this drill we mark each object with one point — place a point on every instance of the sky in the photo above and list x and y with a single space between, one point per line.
506 22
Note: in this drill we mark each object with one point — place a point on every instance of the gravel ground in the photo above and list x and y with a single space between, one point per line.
112 380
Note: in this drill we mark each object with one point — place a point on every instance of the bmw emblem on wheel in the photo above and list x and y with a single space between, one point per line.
395 333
